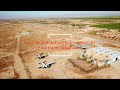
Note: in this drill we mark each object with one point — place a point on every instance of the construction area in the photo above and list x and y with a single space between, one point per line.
28 49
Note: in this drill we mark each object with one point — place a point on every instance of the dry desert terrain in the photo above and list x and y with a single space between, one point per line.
20 43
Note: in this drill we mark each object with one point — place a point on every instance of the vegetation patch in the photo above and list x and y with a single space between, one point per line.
97 18
93 32
108 26
41 22
79 25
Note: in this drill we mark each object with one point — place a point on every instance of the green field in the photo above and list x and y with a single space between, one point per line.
108 26
97 18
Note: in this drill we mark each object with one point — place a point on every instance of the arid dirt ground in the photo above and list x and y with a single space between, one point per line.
19 44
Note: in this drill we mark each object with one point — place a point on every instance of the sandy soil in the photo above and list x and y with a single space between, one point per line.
20 42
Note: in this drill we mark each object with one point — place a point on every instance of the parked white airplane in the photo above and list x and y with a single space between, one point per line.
44 65
39 56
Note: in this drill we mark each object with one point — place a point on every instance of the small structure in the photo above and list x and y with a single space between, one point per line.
25 33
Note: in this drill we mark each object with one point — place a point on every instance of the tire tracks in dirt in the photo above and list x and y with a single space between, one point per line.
18 64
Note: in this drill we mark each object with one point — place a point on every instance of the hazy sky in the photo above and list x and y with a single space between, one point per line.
43 14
